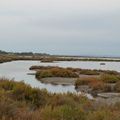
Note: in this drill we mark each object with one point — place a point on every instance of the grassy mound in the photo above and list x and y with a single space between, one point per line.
56 72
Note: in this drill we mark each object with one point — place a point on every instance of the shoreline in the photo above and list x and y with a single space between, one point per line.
48 59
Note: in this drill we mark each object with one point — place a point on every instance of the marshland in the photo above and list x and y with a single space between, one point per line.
35 88
59 60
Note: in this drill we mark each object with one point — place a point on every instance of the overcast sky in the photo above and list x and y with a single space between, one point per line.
76 27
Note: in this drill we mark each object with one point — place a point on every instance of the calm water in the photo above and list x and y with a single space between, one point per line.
18 70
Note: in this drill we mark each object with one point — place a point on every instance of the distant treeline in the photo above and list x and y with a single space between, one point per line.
3 52
44 57
24 53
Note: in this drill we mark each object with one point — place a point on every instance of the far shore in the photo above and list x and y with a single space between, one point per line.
52 58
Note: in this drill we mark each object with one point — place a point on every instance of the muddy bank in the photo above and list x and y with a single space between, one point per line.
59 81
62 80
108 98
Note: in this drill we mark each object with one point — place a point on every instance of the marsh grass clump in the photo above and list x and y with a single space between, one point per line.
111 72
103 78
89 72
56 72
22 92
83 81
64 112
48 59
117 87
93 82
103 83
108 78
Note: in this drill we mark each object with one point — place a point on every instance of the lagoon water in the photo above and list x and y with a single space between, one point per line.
18 70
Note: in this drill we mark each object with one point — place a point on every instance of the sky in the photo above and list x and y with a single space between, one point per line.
68 27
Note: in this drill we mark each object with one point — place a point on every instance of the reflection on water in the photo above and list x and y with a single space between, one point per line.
19 70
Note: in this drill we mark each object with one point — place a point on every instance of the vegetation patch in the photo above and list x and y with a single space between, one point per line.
78 70
89 72
103 83
97 80
117 87
110 78
56 72
21 102
93 83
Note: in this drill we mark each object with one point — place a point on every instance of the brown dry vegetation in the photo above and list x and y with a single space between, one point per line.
77 70
21 102
103 83
10 56
97 80
56 72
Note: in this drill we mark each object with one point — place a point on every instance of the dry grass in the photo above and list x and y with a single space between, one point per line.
56 72
21 102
